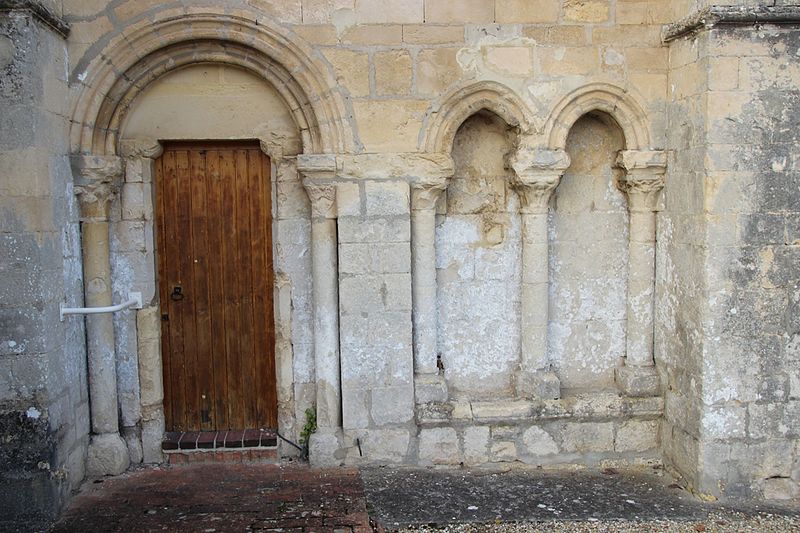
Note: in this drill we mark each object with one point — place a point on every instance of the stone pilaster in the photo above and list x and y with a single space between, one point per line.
97 182
318 173
429 385
537 174
642 183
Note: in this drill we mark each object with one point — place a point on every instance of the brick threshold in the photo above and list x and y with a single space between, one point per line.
226 440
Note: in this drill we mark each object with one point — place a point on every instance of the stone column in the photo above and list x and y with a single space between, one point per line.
429 385
97 182
642 183
318 173
537 174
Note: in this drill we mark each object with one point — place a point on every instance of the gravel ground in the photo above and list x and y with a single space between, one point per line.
638 500
717 521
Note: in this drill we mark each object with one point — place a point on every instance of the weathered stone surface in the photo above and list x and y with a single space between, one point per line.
439 446
539 442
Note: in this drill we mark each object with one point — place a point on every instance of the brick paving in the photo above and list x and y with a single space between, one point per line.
221 498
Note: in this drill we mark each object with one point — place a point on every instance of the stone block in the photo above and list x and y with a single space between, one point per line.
391 258
586 11
352 70
526 12
500 410
373 34
107 455
637 381
393 72
781 488
430 388
325 448
588 437
539 442
568 60
476 445
355 410
385 445
437 69
724 422
459 11
390 125
392 405
503 451
439 446
538 385
387 198
510 60
431 34
355 258
381 12
637 436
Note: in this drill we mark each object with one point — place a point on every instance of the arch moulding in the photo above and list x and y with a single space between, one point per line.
444 118
117 75
610 99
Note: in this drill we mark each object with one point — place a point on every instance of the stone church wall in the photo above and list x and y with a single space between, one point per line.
475 260
44 407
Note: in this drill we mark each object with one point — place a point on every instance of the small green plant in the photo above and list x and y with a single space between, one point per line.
310 426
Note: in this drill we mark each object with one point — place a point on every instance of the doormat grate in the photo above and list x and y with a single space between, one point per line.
219 440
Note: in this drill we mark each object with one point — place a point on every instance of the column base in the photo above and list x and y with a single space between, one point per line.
430 388
107 455
326 448
637 380
538 385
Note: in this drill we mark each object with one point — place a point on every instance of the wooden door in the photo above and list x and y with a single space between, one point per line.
215 279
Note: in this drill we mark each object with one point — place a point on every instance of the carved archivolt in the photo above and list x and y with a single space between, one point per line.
610 99
443 118
114 77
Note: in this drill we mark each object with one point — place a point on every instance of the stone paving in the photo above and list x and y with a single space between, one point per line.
298 499
220 498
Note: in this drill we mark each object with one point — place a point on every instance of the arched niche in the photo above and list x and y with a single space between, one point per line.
478 252
588 226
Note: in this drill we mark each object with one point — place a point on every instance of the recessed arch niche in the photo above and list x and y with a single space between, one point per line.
478 256
588 240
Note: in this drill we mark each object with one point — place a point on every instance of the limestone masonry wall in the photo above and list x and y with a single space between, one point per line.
551 232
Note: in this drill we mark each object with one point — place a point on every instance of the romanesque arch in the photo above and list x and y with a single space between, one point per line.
113 79
616 102
445 117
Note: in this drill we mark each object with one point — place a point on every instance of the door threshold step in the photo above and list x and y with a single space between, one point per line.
258 455
219 440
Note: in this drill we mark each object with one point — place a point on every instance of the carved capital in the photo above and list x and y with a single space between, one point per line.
644 178
97 180
147 148
534 192
425 194
323 199
318 171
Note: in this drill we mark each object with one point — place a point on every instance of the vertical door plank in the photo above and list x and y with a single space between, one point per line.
163 295
199 289
187 304
258 268
173 278
216 243
246 355
230 219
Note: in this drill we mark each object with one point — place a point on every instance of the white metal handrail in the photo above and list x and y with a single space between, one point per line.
134 301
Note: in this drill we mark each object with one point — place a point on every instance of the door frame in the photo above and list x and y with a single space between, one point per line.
139 172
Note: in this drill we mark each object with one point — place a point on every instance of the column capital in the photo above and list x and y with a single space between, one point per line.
146 148
644 178
425 193
537 173
97 181
318 172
